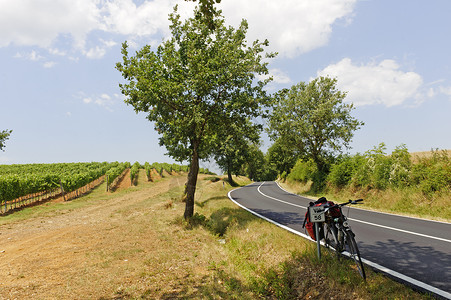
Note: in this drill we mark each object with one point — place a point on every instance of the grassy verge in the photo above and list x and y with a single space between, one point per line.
261 260
144 249
407 201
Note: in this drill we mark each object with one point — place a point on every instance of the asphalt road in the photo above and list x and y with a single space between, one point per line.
413 250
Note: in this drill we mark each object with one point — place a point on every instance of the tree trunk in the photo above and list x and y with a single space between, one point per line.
229 172
192 182
229 177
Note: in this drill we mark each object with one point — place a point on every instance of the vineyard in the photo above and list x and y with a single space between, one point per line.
26 184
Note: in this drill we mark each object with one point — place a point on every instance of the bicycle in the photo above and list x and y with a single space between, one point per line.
334 229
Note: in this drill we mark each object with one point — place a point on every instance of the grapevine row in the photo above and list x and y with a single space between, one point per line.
38 181
17 181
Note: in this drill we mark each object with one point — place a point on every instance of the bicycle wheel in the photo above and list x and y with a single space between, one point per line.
353 250
330 237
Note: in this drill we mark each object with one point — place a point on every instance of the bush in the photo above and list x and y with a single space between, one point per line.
372 169
303 171
341 173
432 174
377 170
401 166
362 172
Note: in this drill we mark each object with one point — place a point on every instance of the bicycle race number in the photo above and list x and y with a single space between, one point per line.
316 214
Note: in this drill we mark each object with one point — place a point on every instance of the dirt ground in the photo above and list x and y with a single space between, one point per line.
84 252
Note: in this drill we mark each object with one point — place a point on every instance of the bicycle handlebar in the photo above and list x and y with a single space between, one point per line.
355 201
343 204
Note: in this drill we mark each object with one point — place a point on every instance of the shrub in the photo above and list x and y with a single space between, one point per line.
341 173
362 173
432 174
373 169
401 166
303 171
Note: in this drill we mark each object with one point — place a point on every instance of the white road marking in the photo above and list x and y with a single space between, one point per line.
360 221
391 272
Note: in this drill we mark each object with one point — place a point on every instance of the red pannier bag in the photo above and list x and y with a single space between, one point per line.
309 226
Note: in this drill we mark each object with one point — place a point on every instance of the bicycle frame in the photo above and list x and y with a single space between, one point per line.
341 234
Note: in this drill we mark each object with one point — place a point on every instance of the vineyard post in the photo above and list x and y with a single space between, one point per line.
62 189
107 182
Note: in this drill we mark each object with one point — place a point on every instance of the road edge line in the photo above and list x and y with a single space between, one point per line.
402 277
370 210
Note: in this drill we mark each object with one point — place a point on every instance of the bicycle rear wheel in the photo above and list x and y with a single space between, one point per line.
354 252
330 237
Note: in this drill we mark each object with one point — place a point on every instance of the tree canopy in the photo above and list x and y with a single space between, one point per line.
313 118
194 85
206 7
282 156
4 136
234 147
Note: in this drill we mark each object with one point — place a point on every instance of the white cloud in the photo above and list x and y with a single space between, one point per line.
40 22
35 57
32 56
446 90
292 27
278 76
103 100
49 64
95 52
56 51
124 17
100 50
375 83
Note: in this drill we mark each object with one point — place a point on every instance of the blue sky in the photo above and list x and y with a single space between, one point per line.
59 89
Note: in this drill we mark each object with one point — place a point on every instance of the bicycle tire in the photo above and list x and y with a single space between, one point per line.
354 252
331 239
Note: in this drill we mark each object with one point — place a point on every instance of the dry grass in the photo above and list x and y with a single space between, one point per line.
416 156
408 202
134 244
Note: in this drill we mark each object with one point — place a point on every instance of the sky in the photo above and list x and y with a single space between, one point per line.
59 89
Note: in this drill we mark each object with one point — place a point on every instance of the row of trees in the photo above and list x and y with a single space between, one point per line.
203 89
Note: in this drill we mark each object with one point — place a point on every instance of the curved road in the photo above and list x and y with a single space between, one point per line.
413 250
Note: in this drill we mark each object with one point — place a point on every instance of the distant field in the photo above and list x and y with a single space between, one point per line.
426 154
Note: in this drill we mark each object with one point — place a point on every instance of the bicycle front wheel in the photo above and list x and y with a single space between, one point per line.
354 252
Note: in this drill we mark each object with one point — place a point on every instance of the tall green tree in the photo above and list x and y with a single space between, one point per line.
233 147
194 85
257 167
313 118
282 156
4 136
206 7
